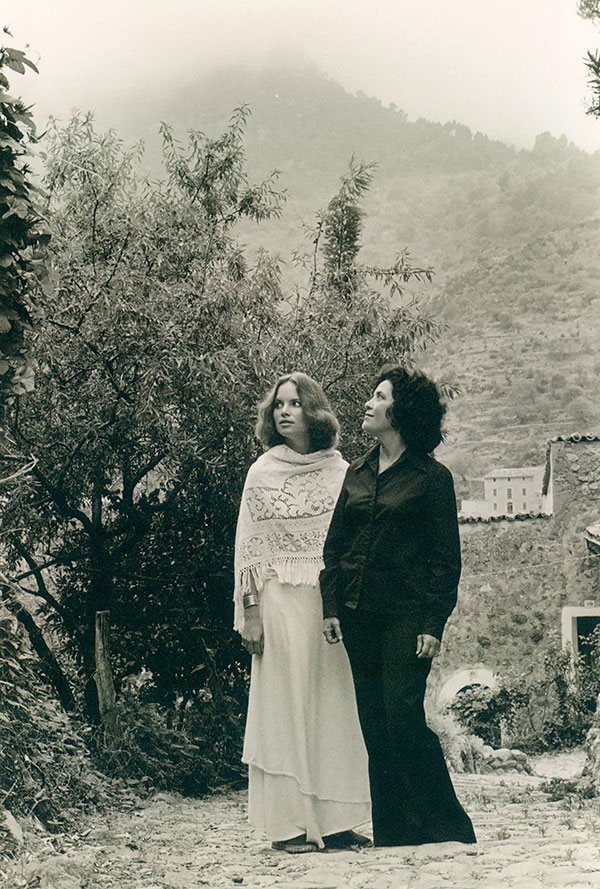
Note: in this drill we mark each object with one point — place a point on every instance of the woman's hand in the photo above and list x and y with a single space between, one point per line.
252 634
427 646
332 630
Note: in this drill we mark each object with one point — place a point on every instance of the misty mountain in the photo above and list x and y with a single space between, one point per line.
512 235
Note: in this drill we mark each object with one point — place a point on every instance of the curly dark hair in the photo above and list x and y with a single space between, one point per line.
417 411
323 427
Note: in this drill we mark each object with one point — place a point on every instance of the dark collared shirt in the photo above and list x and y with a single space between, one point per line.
393 544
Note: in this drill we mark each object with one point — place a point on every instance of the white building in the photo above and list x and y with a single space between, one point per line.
506 492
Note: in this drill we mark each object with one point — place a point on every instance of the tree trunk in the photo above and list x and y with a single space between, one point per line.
103 676
49 663
97 600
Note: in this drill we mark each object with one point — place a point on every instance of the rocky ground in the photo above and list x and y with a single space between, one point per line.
526 840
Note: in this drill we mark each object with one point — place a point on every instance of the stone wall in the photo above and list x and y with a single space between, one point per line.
519 574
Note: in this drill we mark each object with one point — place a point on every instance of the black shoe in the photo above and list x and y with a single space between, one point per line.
347 839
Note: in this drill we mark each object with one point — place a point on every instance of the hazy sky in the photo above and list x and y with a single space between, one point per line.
509 68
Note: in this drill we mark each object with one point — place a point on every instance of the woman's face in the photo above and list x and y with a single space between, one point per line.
288 417
376 420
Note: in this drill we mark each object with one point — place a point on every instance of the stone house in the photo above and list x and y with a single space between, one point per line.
506 492
529 580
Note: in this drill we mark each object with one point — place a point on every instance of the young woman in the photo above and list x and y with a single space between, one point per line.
392 564
308 782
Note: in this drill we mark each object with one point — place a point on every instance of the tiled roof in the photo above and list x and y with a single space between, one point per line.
513 517
574 438
509 473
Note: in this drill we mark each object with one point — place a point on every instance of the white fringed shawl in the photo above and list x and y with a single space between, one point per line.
284 516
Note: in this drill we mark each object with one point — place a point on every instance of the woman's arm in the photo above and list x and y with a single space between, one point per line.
252 633
443 552
332 553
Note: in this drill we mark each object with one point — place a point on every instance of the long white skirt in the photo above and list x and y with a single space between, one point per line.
303 745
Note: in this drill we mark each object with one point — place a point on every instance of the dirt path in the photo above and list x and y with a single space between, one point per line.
525 841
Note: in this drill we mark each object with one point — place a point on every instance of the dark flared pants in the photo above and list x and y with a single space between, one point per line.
413 800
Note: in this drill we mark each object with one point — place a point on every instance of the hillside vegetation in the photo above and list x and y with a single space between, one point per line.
511 234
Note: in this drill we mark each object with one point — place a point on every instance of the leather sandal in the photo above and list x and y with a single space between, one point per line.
295 846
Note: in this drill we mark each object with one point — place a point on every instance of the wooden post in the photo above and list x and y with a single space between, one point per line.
505 735
103 676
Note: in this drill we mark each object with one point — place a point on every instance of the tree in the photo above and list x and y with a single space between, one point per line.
22 271
152 321
352 318
160 337
590 9
22 234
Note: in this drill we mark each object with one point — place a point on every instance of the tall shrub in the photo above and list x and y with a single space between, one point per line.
22 233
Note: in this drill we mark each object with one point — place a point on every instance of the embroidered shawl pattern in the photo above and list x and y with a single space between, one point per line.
284 516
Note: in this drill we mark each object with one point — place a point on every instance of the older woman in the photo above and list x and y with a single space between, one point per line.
308 781
392 564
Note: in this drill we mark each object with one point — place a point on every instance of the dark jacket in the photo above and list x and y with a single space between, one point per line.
393 544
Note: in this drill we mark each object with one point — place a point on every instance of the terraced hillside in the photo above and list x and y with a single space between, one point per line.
513 237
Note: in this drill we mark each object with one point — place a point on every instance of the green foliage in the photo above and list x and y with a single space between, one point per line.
590 9
22 234
200 753
482 710
149 365
559 789
342 228
553 712
508 231
592 63
45 767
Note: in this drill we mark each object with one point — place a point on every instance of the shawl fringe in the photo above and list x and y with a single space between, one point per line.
296 571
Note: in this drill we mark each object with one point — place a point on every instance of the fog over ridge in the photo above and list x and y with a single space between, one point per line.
508 68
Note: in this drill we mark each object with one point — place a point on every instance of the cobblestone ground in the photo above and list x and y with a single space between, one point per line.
526 840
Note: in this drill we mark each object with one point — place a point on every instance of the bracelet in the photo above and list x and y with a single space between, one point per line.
250 599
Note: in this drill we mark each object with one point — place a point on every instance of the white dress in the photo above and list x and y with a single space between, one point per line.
303 745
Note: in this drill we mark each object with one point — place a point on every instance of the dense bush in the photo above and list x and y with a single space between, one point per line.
22 235
53 765
200 753
45 765
553 712
475 708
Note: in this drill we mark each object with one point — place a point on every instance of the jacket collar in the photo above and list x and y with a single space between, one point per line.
372 456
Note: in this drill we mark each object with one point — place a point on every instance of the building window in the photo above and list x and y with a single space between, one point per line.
524 492
495 492
524 507
509 493
509 507
577 626
495 507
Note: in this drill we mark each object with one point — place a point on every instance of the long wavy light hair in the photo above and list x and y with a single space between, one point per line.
323 427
